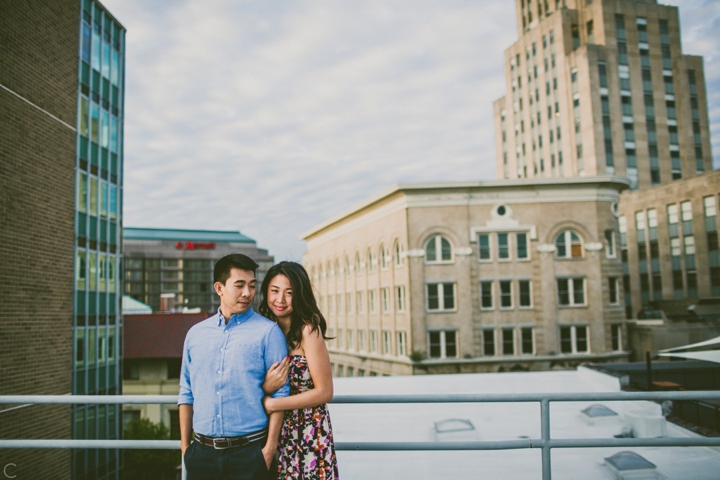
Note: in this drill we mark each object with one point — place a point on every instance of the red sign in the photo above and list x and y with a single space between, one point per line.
195 245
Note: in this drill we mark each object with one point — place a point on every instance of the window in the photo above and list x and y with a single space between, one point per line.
383 258
689 245
521 246
400 298
360 302
568 245
371 300
358 264
438 250
340 370
102 272
402 344
113 205
373 341
91 346
93 196
350 371
361 340
440 296
330 304
340 338
610 243
92 271
675 247
348 266
508 341
488 337
350 339
505 294
525 294
503 246
111 274
686 210
387 342
484 247
82 192
571 291
652 218
371 261
486 294
348 302
80 270
527 340
574 339
709 204
80 347
443 343
399 255
613 291
616 336
339 303
385 292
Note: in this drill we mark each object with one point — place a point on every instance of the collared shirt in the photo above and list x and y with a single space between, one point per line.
223 368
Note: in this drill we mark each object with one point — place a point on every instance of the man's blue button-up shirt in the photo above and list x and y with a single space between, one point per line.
223 368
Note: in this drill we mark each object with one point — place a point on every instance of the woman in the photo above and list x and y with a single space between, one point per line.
306 446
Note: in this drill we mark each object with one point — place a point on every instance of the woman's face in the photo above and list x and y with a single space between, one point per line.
280 296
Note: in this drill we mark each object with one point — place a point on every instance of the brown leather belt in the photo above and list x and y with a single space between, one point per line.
220 443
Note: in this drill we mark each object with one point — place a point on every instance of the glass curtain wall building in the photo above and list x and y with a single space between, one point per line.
98 247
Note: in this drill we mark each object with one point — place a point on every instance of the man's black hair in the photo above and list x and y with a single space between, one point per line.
228 262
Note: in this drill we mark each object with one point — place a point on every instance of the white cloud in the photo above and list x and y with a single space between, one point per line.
270 117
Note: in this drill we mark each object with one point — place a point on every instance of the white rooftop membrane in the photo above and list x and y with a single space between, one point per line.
500 421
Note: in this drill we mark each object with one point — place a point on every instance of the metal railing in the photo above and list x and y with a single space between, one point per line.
545 442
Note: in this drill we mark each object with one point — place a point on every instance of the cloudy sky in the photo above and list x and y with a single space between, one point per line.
270 116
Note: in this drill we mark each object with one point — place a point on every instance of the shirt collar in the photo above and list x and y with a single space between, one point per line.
237 318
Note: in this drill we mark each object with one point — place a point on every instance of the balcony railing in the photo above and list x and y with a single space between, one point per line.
545 442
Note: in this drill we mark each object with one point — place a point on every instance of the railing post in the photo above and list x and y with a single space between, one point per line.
545 433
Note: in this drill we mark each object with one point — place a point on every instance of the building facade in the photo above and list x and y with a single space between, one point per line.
61 78
472 277
601 87
669 242
172 270
153 346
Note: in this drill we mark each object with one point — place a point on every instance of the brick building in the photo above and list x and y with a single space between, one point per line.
61 84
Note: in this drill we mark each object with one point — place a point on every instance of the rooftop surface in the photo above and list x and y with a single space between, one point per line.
173 234
508 421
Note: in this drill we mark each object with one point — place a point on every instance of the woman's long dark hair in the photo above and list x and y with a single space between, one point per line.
305 309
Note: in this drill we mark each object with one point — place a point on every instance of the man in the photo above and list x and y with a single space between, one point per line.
224 362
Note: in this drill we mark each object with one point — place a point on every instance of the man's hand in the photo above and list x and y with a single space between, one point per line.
268 452
183 448
276 376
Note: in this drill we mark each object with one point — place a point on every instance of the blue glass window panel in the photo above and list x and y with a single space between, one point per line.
96 51
86 35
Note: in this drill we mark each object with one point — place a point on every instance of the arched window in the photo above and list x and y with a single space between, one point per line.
348 265
320 272
329 270
370 260
337 268
438 250
313 274
358 264
383 257
399 254
568 245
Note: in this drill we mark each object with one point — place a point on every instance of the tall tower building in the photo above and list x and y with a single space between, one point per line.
601 87
61 157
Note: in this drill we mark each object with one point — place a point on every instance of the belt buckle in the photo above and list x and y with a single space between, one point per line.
215 443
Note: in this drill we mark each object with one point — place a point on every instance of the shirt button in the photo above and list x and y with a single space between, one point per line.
218 415
218 393
219 371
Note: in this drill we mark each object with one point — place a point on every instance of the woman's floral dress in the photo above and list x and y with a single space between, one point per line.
306 446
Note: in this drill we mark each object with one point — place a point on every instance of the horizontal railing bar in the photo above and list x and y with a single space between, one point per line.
113 444
395 446
405 398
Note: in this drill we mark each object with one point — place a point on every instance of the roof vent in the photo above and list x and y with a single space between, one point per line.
455 430
631 466
599 414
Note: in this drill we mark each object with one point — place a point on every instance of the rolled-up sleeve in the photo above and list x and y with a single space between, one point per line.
275 351
185 396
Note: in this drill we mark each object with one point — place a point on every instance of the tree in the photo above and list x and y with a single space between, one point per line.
149 464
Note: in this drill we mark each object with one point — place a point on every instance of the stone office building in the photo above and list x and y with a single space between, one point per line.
473 277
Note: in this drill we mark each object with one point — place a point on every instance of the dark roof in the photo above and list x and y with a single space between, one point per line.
157 335
174 234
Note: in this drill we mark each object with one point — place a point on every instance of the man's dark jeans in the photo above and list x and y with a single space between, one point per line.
239 463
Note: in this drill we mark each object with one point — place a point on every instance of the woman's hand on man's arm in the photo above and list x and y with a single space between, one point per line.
276 376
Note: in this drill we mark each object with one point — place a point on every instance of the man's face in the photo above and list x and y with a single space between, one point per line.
238 293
